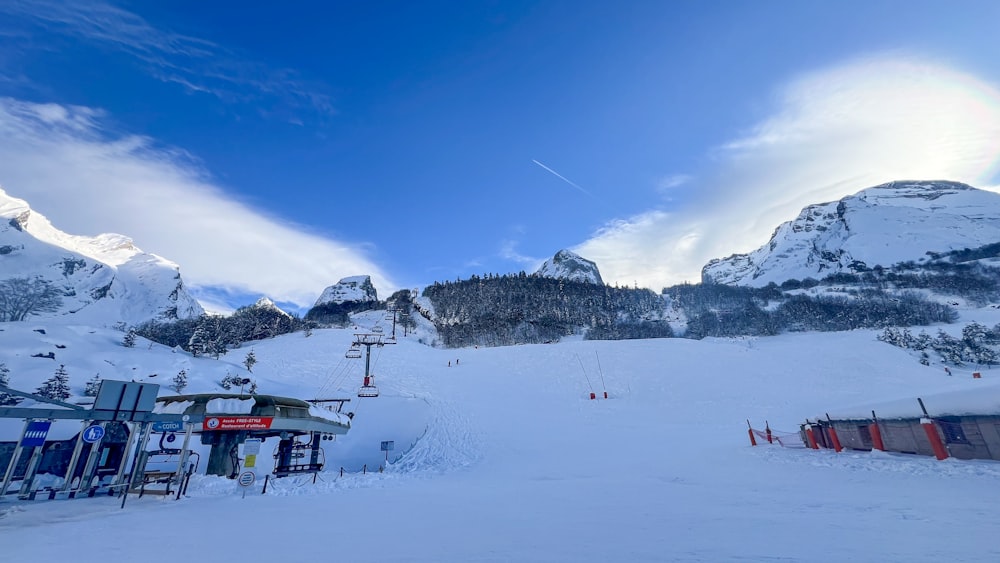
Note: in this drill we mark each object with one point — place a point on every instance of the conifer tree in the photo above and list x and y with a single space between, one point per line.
6 399
57 386
90 390
250 360
180 381
128 340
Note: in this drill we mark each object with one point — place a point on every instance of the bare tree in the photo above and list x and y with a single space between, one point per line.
20 297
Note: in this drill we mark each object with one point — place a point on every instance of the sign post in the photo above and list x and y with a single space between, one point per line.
9 474
388 446
246 479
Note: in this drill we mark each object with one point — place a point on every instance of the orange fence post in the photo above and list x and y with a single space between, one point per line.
767 430
811 436
876 434
833 435
753 441
940 451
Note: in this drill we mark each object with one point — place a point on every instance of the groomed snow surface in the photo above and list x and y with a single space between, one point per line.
502 457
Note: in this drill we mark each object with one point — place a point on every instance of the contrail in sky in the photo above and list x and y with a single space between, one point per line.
563 178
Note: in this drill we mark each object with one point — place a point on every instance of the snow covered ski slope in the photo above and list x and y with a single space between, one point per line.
501 456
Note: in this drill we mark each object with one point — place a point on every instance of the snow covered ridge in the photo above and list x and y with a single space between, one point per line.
100 280
354 288
884 225
570 266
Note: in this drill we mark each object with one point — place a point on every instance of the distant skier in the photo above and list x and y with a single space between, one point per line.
946 370
449 363
456 361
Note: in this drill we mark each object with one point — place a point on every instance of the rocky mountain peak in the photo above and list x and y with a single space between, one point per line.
882 225
354 288
571 266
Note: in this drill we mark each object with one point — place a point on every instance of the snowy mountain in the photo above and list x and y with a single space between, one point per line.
354 288
98 280
267 304
884 225
570 266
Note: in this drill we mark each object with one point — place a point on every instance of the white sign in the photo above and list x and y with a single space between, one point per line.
247 478
251 446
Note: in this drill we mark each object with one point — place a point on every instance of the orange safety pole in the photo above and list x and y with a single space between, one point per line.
932 436
767 430
876 434
811 437
753 441
833 435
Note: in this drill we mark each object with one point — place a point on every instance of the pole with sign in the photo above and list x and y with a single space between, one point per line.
246 479
388 446
9 474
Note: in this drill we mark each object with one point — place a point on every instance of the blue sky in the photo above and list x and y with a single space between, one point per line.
274 149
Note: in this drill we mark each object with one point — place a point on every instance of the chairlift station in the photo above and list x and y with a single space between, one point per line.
110 451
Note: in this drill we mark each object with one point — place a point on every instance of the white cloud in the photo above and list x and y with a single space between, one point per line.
60 161
196 64
833 133
668 183
508 251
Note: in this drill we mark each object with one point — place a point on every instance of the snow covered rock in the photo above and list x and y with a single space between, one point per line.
884 225
268 305
570 266
354 289
99 280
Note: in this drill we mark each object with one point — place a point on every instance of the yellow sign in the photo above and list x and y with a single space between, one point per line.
250 461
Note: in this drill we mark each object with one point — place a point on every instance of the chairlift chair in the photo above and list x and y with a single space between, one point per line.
297 457
377 328
368 389
353 353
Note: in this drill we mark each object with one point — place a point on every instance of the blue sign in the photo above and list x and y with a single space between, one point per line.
168 426
36 433
388 445
93 434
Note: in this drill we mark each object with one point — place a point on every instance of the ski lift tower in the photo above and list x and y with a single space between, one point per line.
368 389
391 316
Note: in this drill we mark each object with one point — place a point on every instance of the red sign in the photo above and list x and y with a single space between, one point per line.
237 423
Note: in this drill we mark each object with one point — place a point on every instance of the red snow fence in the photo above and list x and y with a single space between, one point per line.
783 439
974 434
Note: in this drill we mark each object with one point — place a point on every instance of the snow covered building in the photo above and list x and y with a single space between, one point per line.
225 421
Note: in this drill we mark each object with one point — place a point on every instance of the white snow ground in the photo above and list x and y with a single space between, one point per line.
512 462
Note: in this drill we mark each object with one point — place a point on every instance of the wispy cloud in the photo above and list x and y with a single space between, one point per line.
194 64
833 132
509 251
64 164
668 184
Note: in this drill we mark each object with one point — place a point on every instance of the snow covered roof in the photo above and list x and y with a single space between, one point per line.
983 401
